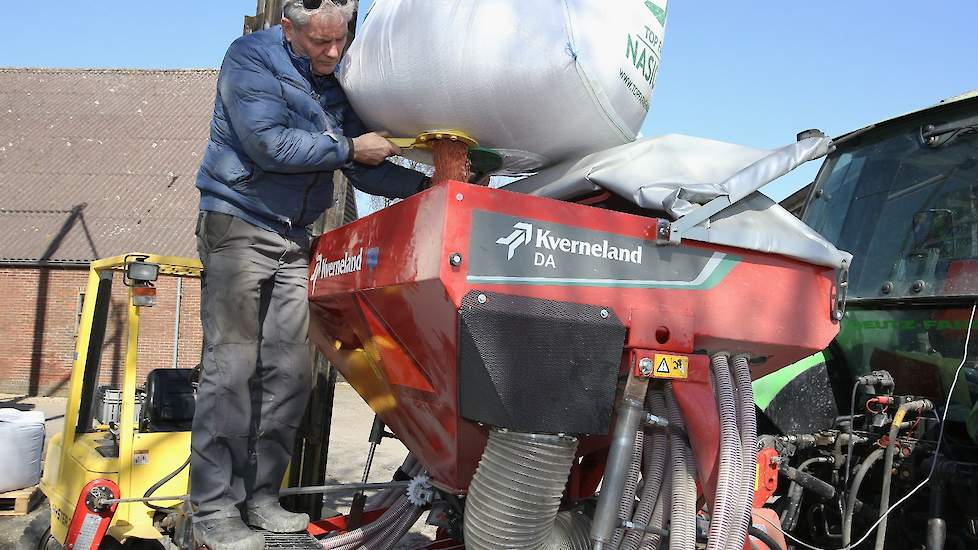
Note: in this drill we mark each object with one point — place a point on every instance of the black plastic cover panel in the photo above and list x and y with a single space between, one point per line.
537 365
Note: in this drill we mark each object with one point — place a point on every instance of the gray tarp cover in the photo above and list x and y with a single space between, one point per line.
675 174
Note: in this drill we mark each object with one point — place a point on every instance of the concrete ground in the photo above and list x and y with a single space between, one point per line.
352 419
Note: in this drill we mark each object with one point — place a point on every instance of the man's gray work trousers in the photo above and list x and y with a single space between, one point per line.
257 373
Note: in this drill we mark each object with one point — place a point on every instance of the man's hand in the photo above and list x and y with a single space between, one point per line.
373 148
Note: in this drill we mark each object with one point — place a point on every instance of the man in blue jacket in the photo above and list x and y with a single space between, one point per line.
281 126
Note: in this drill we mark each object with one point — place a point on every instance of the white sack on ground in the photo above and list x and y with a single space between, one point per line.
541 80
22 434
22 417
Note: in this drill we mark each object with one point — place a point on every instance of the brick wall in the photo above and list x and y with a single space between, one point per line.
38 320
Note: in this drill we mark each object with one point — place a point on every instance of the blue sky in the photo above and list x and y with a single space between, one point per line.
749 72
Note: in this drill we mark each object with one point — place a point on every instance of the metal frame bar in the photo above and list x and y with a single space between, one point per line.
321 489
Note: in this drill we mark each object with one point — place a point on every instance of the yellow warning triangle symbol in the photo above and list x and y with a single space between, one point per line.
663 367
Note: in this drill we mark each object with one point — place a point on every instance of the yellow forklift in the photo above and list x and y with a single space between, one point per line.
100 473
118 474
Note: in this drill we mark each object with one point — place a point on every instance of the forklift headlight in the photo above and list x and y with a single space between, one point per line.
142 272
144 296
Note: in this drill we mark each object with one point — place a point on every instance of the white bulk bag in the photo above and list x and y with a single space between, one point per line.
538 80
22 434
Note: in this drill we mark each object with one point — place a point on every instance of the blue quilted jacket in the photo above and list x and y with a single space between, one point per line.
278 133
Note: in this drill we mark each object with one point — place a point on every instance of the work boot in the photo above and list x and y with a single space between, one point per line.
272 517
227 534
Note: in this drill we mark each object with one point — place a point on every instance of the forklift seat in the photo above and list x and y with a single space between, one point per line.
169 403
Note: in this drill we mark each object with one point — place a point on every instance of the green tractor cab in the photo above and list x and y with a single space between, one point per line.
902 197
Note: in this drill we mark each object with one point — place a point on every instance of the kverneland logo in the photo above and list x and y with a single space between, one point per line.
326 268
522 233
545 239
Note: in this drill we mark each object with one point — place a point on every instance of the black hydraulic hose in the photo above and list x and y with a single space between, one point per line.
795 490
853 493
149 492
808 481
764 537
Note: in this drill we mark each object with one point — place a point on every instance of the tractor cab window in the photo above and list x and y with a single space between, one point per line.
907 210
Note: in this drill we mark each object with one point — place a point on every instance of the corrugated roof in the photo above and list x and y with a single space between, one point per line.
95 163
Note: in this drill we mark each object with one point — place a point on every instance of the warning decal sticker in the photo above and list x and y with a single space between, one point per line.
671 366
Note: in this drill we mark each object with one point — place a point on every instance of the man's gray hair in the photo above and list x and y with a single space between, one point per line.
294 11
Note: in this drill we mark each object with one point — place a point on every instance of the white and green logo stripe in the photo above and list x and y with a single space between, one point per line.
716 268
523 251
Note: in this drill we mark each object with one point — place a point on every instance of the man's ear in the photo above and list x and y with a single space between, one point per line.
288 28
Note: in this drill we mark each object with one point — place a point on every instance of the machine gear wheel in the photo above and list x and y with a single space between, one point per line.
419 490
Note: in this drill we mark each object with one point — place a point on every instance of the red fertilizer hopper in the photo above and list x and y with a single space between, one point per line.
466 311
